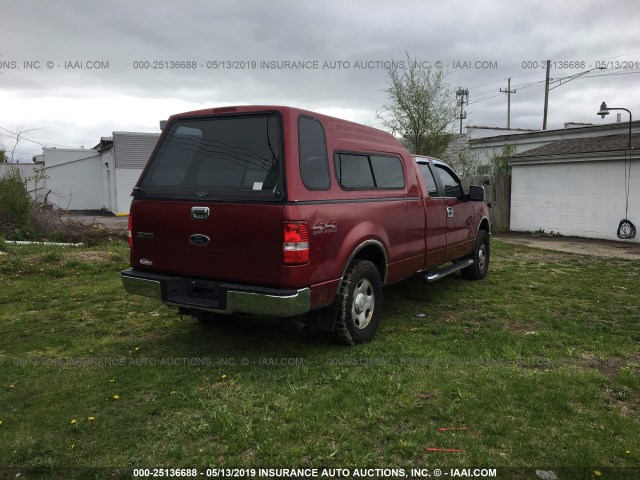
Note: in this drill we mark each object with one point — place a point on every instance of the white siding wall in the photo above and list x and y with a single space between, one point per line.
125 180
583 199
132 149
75 179
108 180
130 154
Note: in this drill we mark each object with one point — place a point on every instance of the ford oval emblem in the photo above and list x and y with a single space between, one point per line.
198 239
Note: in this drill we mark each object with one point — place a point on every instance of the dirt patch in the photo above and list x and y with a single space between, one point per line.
609 367
88 256
521 328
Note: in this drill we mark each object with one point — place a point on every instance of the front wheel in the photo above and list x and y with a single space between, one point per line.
360 304
481 253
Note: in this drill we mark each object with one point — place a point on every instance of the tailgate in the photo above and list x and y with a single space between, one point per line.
236 243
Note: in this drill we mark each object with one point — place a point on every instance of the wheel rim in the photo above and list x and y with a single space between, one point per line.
362 304
482 257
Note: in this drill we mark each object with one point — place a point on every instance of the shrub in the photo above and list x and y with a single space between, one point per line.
500 162
22 219
15 202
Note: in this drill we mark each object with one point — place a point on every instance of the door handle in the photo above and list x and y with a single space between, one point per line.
200 213
450 212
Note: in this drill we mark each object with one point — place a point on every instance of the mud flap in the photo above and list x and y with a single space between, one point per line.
323 319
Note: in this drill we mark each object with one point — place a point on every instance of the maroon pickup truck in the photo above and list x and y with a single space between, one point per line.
284 212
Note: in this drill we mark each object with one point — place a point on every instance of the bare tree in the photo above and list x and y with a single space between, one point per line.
20 132
9 150
421 108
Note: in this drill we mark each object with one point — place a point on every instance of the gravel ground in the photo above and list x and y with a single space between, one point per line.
111 221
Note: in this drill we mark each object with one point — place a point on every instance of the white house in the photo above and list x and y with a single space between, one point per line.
100 178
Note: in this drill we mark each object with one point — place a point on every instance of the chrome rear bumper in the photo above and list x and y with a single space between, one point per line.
224 298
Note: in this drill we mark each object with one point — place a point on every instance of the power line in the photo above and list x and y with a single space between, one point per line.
610 74
505 78
22 137
617 56
535 73
490 94
17 135
486 98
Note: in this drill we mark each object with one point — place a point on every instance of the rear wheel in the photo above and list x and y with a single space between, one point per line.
481 254
360 304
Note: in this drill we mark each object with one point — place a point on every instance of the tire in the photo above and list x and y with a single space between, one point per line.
360 304
481 255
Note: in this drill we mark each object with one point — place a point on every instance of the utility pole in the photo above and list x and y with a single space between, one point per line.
461 95
546 96
508 91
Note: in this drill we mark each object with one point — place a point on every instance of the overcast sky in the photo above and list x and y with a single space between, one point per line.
480 43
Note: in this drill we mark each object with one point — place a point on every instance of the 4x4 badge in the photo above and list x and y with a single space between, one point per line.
325 226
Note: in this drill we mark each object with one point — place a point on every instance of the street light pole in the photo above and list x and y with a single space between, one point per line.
626 229
604 110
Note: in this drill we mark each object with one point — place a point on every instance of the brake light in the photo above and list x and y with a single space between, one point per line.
295 244
130 228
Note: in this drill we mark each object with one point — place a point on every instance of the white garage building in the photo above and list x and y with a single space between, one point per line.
100 178
576 187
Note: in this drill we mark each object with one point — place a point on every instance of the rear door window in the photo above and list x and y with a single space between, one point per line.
237 157
429 181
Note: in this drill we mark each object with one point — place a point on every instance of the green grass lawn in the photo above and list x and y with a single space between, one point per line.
539 361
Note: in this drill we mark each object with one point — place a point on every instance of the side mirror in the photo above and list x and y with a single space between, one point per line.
476 193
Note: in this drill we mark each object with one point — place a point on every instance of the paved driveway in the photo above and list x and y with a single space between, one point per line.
584 246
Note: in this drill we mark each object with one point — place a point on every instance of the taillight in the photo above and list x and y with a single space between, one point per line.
130 228
296 243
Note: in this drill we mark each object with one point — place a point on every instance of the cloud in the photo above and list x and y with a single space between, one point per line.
78 105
